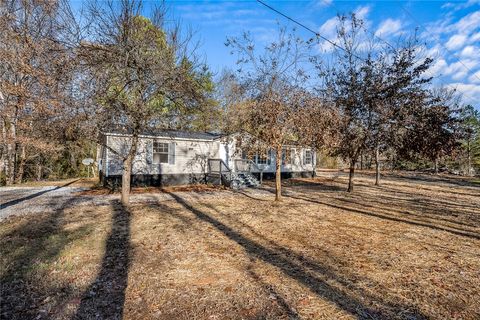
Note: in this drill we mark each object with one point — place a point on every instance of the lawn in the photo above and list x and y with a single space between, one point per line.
409 249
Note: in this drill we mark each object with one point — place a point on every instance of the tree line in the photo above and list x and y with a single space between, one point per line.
66 75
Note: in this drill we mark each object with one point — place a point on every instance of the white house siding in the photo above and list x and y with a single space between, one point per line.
189 162
190 156
296 163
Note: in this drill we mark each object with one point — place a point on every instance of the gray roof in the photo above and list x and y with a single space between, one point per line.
175 134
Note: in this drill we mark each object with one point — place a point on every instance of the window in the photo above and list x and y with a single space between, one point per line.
160 152
308 157
261 159
286 156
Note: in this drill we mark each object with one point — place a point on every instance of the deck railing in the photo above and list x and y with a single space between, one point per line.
245 165
218 166
248 166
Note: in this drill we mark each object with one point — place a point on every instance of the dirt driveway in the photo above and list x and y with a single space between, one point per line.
25 200
15 201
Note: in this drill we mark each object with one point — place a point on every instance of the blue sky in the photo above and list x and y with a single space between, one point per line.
451 30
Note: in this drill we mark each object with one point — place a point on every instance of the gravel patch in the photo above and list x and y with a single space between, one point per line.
33 200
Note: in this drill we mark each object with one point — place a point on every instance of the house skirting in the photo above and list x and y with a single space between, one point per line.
286 175
160 180
154 180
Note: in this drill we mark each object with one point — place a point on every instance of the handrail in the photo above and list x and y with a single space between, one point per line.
222 166
249 162
223 170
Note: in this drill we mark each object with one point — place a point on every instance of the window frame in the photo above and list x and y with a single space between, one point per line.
310 158
261 160
167 153
287 156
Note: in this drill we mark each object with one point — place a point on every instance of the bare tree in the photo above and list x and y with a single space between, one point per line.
33 69
375 89
470 127
270 79
143 75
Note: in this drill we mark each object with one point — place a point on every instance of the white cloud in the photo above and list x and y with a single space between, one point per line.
326 47
438 68
362 12
459 6
458 71
435 52
460 75
469 23
448 5
329 28
213 11
471 92
322 3
471 52
475 37
389 26
460 34
475 78
456 41
461 67
465 26
472 2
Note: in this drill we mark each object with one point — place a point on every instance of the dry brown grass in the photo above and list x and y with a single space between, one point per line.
409 249
100 190
73 182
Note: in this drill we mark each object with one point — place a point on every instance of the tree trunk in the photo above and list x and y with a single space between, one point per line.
39 172
278 175
361 161
21 165
435 163
73 163
11 150
3 160
350 175
377 167
2 167
127 171
469 159
126 178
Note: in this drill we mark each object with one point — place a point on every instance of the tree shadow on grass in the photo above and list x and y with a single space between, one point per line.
403 236
245 194
417 209
435 179
34 195
452 230
27 251
105 297
415 222
296 269
282 303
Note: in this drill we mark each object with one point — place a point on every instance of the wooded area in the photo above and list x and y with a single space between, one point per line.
65 76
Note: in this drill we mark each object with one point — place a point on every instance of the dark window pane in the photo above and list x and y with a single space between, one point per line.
160 152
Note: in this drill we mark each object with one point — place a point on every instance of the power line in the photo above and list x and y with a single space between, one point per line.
442 82
438 41
307 28
336 45
366 30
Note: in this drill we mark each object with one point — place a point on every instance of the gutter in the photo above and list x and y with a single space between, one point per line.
157 137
